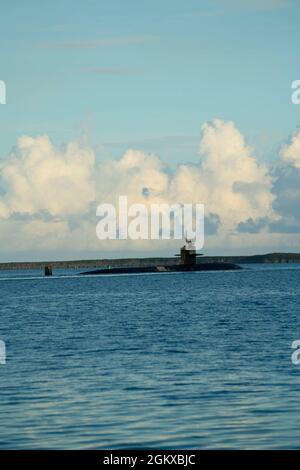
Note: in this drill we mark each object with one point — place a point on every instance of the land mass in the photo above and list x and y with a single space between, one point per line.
141 262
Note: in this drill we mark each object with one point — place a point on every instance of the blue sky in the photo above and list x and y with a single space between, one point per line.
141 72
120 76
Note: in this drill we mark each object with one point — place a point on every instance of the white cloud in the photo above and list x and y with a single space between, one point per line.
290 153
142 177
287 187
229 180
49 195
40 178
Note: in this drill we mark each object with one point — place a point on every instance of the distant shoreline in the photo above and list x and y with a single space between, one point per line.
139 262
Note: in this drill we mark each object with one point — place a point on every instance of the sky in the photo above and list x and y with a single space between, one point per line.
188 99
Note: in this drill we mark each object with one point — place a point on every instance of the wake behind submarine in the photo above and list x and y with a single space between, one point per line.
188 262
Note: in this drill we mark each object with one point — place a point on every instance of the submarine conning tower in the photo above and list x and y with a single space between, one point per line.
188 254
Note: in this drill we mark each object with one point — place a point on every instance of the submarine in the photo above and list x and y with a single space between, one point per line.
188 263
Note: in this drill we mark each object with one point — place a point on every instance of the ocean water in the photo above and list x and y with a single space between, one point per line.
162 361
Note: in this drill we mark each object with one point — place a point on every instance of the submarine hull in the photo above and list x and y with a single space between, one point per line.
166 269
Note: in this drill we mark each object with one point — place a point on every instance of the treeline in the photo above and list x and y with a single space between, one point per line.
136 262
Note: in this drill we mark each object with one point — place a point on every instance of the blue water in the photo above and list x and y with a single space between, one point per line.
184 360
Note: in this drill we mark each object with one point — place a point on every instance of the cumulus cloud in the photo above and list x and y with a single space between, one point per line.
48 195
142 177
290 153
228 180
287 187
38 178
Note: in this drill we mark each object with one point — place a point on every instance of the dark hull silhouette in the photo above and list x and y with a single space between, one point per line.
166 269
